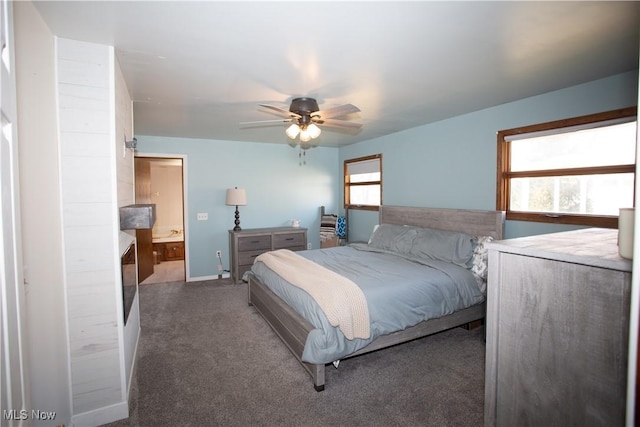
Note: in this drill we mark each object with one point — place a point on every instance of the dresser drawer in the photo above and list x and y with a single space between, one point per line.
253 243
247 257
243 269
246 245
289 241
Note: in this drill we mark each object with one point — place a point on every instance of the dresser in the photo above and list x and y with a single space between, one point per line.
246 245
557 330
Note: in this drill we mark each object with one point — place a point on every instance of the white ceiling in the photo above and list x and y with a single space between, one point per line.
198 69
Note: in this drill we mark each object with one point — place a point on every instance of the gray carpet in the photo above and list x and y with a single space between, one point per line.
206 358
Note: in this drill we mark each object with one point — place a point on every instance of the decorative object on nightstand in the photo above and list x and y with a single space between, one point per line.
625 232
236 197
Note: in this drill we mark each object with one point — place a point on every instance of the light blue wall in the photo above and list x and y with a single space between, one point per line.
452 163
278 190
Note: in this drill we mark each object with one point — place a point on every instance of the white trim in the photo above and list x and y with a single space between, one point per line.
15 384
117 278
100 416
224 275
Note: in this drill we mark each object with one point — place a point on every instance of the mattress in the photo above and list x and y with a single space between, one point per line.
400 292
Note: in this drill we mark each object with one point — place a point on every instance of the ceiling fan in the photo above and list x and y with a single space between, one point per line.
305 116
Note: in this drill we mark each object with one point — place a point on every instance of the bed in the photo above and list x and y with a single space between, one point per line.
303 328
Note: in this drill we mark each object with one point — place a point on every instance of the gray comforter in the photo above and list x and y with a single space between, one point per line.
400 292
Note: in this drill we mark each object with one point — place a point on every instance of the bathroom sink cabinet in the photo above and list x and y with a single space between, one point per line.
169 251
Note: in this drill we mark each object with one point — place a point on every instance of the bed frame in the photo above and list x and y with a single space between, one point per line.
293 328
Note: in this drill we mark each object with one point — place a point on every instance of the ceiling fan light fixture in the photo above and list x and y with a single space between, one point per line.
293 131
304 116
305 135
313 130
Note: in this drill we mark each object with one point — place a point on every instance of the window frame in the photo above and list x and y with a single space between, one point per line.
504 173
348 185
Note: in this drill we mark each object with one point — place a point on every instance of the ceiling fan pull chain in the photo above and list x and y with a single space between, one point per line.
302 154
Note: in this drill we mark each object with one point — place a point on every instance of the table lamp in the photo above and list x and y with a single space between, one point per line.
236 197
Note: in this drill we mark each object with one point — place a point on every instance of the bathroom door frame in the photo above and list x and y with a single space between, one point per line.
185 216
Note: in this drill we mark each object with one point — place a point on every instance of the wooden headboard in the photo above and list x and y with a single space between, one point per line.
473 222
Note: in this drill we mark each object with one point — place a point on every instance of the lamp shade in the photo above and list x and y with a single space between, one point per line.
292 131
314 131
236 197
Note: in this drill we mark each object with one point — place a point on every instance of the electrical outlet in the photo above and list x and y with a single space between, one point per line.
203 216
219 254
309 246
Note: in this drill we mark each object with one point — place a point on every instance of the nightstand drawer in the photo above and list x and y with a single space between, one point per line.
292 240
253 243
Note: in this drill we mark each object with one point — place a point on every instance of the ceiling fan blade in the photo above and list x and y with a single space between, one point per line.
337 123
280 110
267 121
341 110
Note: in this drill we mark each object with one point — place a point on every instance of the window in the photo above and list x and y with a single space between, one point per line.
574 171
363 183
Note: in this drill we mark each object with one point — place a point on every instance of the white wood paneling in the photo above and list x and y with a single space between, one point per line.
91 238
84 144
83 180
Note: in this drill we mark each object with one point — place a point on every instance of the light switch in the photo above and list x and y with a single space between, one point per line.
203 216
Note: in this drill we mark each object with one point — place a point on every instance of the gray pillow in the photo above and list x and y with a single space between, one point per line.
395 238
449 246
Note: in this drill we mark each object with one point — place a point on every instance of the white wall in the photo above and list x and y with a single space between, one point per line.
41 213
74 174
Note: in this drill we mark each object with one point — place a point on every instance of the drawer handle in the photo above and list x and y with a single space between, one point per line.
255 241
289 238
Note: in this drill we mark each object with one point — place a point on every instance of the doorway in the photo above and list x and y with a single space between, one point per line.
162 254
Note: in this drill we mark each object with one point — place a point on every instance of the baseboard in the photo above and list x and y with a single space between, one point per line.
100 416
224 275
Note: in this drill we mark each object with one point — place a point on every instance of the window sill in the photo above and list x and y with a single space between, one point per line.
362 207
604 221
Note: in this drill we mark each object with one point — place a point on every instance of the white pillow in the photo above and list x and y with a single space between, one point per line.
375 227
480 261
